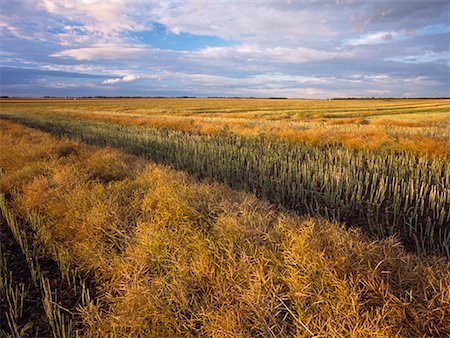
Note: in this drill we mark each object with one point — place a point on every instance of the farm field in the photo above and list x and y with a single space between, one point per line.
414 124
225 217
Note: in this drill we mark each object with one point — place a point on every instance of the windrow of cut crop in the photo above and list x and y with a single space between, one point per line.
430 137
385 192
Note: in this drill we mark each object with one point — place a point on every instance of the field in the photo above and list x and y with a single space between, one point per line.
417 125
225 217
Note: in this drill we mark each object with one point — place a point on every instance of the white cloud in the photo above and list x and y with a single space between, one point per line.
273 23
252 53
285 85
373 38
131 78
424 58
80 68
97 16
127 78
8 24
103 52
94 21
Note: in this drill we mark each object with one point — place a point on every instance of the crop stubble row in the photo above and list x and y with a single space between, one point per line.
385 192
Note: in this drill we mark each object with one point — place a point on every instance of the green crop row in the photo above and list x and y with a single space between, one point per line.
385 192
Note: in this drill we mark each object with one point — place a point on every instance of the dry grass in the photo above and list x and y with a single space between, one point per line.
264 108
421 126
316 134
172 256
349 120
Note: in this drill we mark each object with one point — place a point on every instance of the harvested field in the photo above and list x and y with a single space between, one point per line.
355 243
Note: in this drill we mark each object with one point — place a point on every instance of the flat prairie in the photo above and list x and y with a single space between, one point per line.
224 217
421 125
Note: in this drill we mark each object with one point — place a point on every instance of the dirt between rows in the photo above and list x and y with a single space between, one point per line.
34 317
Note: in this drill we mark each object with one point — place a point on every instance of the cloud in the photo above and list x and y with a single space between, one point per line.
441 57
199 84
276 54
31 82
311 48
127 78
93 20
248 21
291 23
19 75
132 77
412 14
373 38
103 52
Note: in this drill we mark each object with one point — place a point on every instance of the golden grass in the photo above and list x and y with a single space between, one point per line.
264 107
172 256
349 120
421 126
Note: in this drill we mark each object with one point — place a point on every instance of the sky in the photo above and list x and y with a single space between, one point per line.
295 49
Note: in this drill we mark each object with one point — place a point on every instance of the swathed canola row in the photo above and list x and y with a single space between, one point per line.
385 192
418 125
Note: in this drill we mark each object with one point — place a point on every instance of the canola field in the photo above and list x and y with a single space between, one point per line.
225 217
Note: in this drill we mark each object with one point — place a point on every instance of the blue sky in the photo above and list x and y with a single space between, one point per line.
298 49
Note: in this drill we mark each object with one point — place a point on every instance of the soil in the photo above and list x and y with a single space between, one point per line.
33 311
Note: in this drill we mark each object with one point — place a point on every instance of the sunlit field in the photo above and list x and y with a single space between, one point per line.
225 217
413 124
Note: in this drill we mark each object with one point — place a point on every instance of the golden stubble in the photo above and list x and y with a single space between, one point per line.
172 256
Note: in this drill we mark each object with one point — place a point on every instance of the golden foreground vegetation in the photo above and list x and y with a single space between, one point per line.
418 125
385 191
145 250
